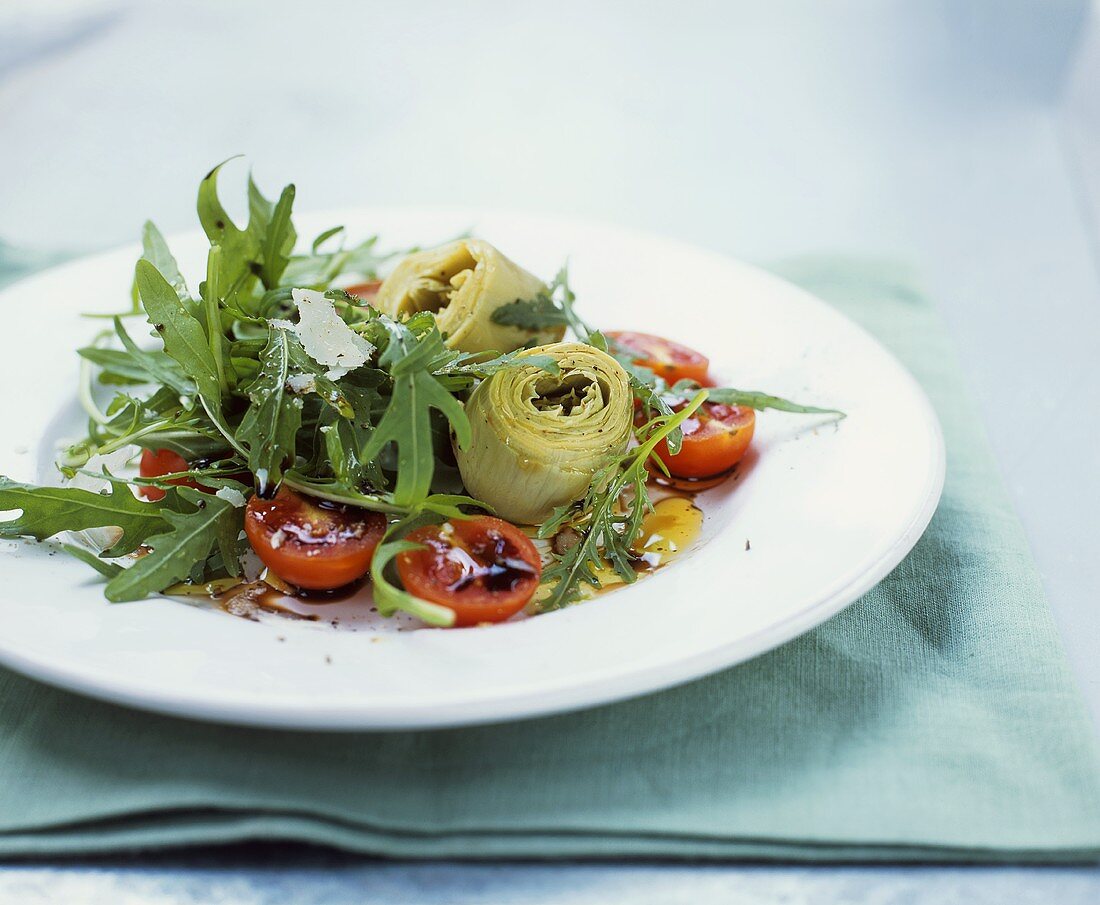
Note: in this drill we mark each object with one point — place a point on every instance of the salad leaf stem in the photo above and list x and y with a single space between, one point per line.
104 568
223 428
128 439
211 301
84 386
388 597
336 493
749 399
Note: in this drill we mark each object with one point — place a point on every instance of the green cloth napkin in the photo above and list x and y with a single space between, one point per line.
933 720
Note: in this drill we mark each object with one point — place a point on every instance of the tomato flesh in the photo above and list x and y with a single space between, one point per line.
312 544
716 436
365 291
484 569
157 462
663 357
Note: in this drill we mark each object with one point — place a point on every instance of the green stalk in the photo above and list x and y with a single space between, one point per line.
85 385
669 426
223 428
336 494
127 439
211 299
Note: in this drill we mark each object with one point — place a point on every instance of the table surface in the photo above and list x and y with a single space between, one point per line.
963 139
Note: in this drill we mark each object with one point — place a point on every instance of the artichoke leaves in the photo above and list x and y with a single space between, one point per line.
537 439
463 283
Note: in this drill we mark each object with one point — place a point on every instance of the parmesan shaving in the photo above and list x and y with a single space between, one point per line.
231 495
301 383
325 336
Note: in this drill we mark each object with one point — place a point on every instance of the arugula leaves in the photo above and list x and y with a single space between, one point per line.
749 399
158 366
318 269
184 337
241 247
607 531
553 308
181 530
50 510
188 540
407 421
155 250
279 233
531 314
270 425
465 368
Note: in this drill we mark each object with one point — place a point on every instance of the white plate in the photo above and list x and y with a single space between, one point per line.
829 510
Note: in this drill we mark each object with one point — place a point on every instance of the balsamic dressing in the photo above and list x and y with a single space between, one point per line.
694 485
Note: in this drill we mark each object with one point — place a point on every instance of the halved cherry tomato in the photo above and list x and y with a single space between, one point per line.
157 462
366 291
483 568
663 357
310 543
715 438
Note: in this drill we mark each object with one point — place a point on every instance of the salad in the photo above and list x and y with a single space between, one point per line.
455 433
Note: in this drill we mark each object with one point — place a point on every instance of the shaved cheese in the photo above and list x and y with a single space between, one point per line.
301 383
325 336
231 495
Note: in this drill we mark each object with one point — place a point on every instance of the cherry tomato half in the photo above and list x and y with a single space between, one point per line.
311 543
715 438
483 568
365 291
157 462
663 357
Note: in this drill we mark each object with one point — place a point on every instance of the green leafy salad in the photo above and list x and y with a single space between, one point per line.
295 419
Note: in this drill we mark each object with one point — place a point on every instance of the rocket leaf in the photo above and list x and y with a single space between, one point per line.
188 540
407 421
50 510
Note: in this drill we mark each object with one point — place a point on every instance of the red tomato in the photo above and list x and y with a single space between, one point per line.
157 462
715 438
366 291
483 568
663 357
311 543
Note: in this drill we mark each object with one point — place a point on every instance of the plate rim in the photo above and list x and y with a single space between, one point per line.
595 691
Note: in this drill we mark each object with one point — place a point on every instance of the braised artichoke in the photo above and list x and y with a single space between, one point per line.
538 438
463 283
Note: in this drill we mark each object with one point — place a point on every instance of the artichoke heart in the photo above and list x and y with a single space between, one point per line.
538 438
463 283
